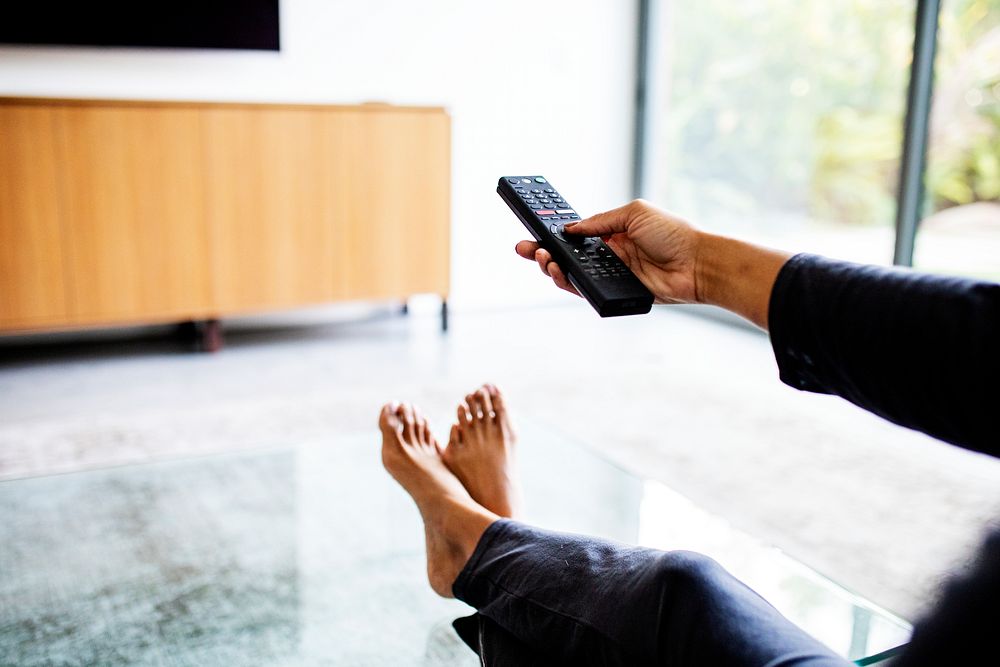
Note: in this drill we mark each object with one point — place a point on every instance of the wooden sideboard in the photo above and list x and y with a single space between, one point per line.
129 212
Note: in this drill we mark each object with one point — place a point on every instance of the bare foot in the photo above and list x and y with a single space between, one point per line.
453 521
481 451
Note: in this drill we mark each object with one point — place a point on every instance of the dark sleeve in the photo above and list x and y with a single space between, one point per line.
961 628
919 350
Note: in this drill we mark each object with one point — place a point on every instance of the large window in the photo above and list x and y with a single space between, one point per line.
782 122
962 231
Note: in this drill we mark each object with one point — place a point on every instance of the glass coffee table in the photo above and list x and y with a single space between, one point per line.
311 555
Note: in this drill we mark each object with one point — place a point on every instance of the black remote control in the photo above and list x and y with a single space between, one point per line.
590 265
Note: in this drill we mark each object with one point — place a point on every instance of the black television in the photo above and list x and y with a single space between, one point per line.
188 24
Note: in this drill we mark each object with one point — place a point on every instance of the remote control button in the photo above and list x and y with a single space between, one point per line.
526 180
546 212
549 190
539 179
513 180
536 191
527 195
536 206
557 231
566 211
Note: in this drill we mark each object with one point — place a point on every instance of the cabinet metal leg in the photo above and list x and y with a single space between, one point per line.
444 315
404 309
211 336
201 335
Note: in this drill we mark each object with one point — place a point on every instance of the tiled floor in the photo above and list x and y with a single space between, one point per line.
681 398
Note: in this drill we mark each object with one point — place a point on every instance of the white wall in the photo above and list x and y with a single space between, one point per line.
541 87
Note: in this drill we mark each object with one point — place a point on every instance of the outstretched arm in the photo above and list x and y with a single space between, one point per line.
920 350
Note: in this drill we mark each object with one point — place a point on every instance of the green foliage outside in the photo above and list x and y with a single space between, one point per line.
797 107
964 163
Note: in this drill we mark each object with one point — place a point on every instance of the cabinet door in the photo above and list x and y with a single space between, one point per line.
400 226
134 211
32 281
274 208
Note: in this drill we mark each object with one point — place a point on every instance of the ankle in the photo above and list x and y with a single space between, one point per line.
462 524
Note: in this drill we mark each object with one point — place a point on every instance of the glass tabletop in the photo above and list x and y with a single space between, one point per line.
310 554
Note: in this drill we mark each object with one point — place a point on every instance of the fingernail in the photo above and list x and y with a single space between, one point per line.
569 225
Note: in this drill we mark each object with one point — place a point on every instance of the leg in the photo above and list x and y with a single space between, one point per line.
583 600
588 601
495 646
567 598
453 521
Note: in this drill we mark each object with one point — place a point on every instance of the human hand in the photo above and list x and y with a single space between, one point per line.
659 248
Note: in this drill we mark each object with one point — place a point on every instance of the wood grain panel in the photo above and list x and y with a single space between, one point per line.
134 211
272 208
32 280
401 231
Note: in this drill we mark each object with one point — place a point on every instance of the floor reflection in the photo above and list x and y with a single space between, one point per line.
313 555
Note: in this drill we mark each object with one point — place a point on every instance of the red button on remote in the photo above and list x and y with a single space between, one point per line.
546 212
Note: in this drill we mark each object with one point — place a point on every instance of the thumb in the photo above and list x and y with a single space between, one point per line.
602 224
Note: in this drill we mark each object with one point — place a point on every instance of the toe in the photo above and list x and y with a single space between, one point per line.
420 430
405 414
499 405
426 436
479 402
475 409
486 405
455 436
463 415
388 422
